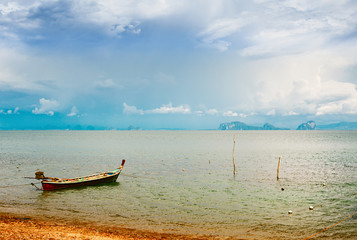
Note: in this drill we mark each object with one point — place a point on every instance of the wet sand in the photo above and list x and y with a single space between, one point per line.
25 227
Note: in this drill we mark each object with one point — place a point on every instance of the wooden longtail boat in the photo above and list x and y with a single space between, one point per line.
51 183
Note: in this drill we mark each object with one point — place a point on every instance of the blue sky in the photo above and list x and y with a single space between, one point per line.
177 64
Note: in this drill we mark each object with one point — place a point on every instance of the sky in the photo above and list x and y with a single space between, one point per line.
167 64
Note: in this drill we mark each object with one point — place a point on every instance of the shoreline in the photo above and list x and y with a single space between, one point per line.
18 226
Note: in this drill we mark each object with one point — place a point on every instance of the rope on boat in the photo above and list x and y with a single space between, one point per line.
33 184
133 176
330 226
20 185
17 185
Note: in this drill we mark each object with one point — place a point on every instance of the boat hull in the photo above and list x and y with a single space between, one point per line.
49 186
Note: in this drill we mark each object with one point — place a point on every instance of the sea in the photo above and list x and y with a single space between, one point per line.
182 182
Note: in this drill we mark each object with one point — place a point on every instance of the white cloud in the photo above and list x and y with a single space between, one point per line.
267 26
212 111
290 113
181 109
289 27
46 107
344 105
74 112
112 17
131 109
107 83
230 114
164 109
13 76
117 17
271 113
221 28
14 15
168 108
199 113
309 83
10 111
234 114
313 46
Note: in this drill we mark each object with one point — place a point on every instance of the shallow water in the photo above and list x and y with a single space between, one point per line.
182 181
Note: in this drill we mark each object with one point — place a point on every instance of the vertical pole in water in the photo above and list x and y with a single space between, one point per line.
234 164
277 175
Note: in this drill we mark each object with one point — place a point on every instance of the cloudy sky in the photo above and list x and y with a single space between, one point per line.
177 64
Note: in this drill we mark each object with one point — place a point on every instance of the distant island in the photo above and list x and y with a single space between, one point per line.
242 126
133 128
310 125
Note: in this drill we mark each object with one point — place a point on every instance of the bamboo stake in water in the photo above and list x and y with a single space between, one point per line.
234 164
277 175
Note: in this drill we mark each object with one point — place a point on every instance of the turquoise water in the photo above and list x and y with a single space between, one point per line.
182 181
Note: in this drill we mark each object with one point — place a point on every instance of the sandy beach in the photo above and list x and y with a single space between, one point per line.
25 227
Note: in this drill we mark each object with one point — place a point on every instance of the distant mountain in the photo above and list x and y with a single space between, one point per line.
237 126
242 126
268 126
131 127
310 125
339 126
